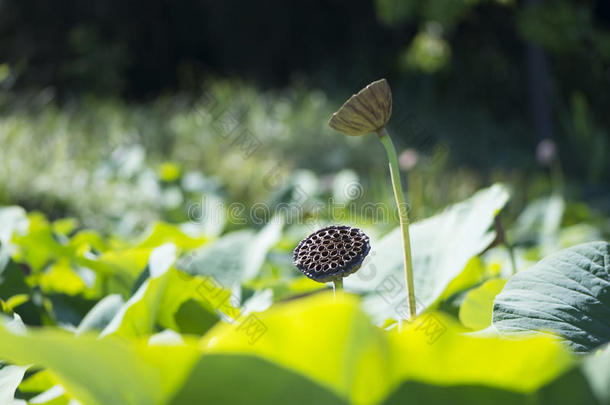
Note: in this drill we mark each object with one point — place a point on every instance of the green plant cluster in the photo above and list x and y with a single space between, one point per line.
173 316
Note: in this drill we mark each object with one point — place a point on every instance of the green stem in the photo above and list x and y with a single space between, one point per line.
511 253
384 137
501 238
338 286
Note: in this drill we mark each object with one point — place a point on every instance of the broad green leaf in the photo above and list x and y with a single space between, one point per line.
567 293
16 300
596 367
441 246
101 314
589 383
103 371
138 315
10 377
87 240
12 281
39 382
235 257
414 392
540 221
470 276
12 219
118 269
477 307
434 342
64 226
568 389
333 343
222 260
170 299
579 233
162 233
39 246
60 278
443 366
243 379
286 288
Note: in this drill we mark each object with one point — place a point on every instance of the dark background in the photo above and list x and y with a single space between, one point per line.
517 72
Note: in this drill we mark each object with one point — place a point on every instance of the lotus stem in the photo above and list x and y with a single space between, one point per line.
337 286
384 137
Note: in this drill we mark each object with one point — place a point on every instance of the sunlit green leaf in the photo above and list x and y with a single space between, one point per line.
442 246
165 299
39 382
60 278
64 226
477 307
333 343
215 377
162 233
102 371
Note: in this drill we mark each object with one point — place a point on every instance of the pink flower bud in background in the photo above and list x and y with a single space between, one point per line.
546 152
408 159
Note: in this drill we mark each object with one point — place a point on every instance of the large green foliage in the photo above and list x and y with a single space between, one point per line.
324 348
172 318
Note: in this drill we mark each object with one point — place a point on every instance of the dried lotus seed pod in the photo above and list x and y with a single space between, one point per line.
331 253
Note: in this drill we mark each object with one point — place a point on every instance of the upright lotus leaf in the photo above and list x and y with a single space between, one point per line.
442 247
567 293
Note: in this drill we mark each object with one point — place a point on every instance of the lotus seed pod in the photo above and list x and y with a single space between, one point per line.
331 253
365 112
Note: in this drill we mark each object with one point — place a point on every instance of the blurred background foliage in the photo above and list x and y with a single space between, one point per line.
125 113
